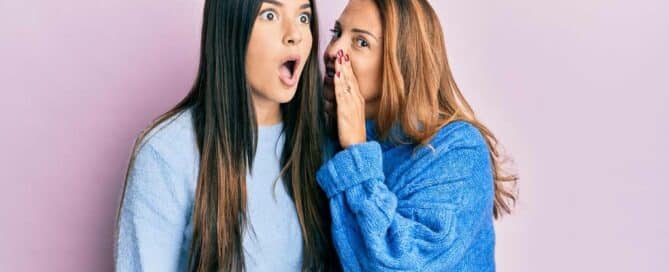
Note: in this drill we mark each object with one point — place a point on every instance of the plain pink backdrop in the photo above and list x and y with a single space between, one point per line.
575 90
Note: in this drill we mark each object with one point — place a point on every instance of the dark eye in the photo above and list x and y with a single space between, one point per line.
362 42
268 15
305 18
336 33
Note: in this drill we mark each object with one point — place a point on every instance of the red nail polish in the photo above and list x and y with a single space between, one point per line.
338 74
346 58
340 53
339 60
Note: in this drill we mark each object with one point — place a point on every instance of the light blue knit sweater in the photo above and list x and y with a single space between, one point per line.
156 221
396 210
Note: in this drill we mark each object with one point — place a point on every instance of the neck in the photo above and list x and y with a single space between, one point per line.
267 112
372 108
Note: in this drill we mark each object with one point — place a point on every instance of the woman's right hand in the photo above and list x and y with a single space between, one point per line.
350 103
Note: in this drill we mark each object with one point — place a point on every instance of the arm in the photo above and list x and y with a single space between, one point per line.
431 218
152 218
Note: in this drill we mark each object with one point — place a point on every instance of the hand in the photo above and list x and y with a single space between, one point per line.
350 103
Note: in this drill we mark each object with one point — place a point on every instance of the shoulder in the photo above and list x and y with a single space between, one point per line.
166 162
176 129
457 150
458 134
171 144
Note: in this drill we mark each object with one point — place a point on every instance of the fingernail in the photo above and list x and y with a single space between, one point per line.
346 58
340 52
339 60
338 74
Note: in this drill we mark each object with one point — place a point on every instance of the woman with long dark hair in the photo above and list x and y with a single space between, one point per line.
200 191
419 178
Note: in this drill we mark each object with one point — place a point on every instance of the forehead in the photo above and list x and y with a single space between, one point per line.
362 14
300 4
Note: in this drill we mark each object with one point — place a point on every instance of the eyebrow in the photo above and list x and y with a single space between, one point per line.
358 30
275 2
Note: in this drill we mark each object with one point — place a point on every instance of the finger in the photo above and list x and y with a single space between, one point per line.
350 75
349 70
345 100
346 69
338 81
351 79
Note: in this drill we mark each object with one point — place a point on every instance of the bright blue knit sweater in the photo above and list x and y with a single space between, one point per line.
401 208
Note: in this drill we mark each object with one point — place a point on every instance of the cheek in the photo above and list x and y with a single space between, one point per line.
369 79
257 60
306 44
308 38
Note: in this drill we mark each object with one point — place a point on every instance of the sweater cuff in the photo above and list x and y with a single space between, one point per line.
350 167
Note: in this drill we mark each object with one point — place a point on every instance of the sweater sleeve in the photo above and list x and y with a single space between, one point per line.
152 218
437 205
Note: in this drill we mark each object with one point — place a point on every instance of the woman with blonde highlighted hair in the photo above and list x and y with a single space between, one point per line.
417 180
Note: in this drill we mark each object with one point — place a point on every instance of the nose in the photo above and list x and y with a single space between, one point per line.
292 36
330 53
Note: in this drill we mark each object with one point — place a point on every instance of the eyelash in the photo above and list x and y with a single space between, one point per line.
336 33
308 15
269 11
364 41
265 13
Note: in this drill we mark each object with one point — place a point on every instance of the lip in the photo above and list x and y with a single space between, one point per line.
292 80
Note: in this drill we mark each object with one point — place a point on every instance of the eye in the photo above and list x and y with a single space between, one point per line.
336 33
362 42
268 15
305 18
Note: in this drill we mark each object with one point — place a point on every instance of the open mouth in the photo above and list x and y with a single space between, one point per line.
290 66
288 70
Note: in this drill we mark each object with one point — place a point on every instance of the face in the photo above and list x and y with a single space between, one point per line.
278 50
358 33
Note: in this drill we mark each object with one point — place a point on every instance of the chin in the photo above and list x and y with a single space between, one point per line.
287 96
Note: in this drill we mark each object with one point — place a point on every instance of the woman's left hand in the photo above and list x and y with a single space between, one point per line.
350 104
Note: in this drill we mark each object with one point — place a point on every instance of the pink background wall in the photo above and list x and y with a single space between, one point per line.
576 90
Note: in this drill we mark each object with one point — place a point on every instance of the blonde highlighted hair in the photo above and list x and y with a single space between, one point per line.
418 89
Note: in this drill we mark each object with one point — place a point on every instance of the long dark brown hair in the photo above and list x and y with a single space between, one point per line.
225 125
419 91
